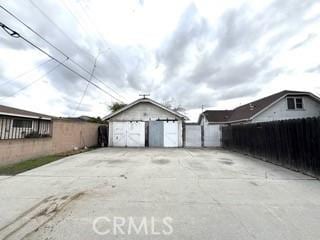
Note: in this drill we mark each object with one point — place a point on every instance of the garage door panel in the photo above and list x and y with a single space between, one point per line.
136 134
170 134
156 134
119 134
212 136
193 136
128 134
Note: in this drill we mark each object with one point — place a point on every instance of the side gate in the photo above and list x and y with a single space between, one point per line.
193 135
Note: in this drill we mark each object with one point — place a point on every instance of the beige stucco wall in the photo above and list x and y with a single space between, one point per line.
66 135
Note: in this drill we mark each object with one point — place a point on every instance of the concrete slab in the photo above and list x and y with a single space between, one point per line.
208 194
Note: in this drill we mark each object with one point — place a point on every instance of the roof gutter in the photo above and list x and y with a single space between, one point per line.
24 116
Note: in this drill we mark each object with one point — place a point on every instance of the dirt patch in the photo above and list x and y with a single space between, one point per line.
254 183
123 176
198 166
116 161
161 161
226 161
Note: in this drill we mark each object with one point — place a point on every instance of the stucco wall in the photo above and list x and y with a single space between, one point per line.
66 135
143 112
280 111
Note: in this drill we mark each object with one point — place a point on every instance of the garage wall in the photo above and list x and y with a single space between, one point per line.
143 112
114 124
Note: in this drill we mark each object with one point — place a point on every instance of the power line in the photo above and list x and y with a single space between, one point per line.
35 81
73 15
98 32
53 23
39 35
15 34
86 89
56 48
25 73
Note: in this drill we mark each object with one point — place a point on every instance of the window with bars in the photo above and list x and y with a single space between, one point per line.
18 128
22 123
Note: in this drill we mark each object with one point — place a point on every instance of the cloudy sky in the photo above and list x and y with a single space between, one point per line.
217 53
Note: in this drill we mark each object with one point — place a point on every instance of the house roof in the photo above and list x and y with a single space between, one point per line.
145 100
10 111
217 115
250 110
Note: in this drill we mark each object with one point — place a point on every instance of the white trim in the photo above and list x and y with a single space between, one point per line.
25 116
144 100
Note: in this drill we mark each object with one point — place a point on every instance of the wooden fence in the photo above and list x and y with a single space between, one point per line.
294 144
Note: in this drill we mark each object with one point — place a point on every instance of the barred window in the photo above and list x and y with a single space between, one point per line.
22 123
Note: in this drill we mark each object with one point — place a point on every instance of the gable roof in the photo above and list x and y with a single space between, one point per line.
252 109
10 111
145 100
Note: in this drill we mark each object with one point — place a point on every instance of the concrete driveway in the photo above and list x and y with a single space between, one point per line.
169 193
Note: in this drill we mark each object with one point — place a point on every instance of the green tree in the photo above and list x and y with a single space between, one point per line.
116 106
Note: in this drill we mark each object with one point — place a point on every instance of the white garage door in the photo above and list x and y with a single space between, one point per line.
212 136
136 134
128 134
119 130
193 136
170 134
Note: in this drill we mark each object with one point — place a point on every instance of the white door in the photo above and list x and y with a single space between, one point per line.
119 130
212 136
170 134
193 136
135 134
128 134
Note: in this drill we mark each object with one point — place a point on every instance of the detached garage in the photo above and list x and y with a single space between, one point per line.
145 123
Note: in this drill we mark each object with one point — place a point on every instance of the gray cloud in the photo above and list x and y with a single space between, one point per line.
192 29
237 33
239 92
204 62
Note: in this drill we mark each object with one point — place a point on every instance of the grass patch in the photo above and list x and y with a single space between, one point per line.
20 167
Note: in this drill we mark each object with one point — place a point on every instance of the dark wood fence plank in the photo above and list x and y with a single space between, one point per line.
294 144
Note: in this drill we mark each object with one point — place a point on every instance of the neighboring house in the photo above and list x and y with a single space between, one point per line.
145 122
280 106
17 124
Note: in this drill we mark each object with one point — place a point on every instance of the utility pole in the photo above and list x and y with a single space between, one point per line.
144 95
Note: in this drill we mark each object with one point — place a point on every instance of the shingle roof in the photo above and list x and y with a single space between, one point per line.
5 110
248 110
217 115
